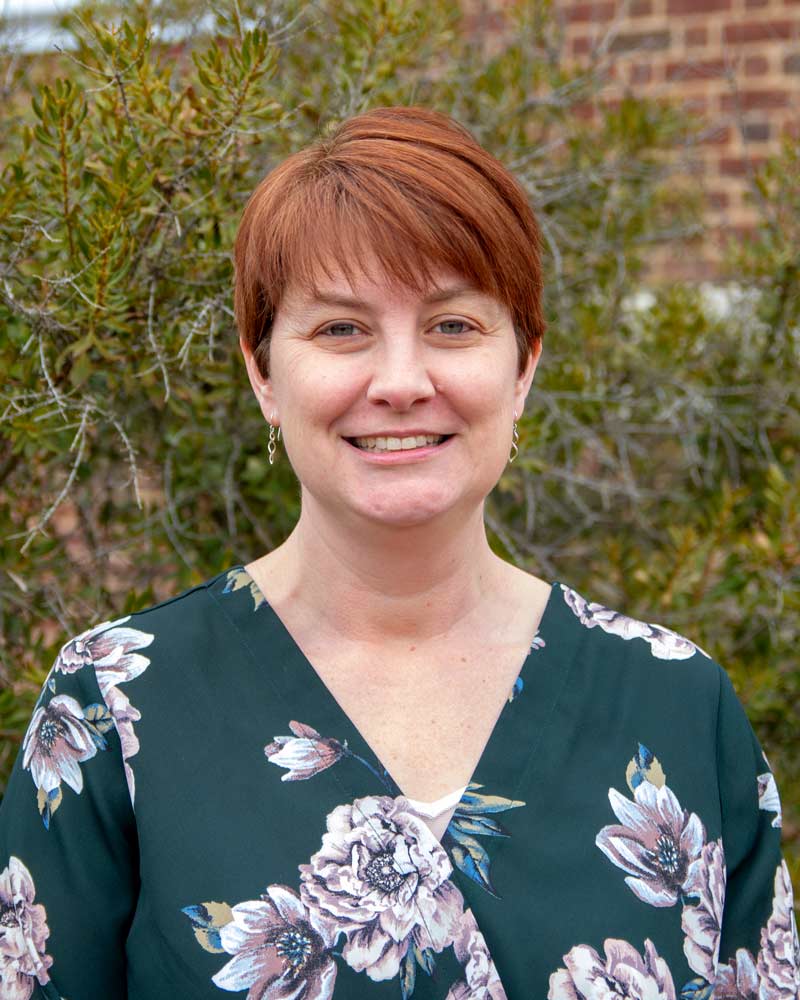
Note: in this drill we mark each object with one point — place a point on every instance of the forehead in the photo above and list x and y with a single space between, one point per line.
370 286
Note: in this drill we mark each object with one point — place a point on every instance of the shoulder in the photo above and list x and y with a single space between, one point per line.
663 642
117 641
638 655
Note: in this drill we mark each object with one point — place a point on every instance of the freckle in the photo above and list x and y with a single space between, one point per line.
463 659
411 649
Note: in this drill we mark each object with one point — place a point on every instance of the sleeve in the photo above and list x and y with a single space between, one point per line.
68 845
759 954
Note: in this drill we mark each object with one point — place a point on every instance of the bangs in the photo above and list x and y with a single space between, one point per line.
351 228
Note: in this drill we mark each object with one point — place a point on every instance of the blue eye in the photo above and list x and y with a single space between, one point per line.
337 326
455 322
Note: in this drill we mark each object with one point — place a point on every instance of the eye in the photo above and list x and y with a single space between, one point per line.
330 330
455 322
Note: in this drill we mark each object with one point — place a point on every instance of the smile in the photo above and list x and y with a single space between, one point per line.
396 443
392 450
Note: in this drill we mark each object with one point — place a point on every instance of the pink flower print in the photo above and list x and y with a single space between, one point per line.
58 738
279 953
23 932
83 649
623 973
109 648
656 843
304 754
382 879
738 980
779 957
702 922
482 981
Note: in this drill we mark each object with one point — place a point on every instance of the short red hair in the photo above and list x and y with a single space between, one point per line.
412 186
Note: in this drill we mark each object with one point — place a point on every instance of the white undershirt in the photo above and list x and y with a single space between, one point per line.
437 814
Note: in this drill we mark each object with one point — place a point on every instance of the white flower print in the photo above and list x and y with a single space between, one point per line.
775 973
664 643
109 649
656 844
279 951
778 960
623 973
382 878
737 980
702 921
304 754
23 932
481 981
768 797
58 739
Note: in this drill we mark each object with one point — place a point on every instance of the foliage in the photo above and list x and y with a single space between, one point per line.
658 470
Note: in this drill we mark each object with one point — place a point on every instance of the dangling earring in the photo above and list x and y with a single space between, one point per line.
515 449
271 446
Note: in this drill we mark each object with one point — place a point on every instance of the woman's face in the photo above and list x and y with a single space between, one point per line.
368 361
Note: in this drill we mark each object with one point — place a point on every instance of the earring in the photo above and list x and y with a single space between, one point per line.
271 445
515 449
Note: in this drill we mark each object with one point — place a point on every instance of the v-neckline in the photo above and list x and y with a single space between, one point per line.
296 679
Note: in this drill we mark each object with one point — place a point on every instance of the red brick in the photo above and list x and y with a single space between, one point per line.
756 66
681 7
691 69
720 136
696 105
755 3
584 110
641 73
717 200
640 8
752 100
756 131
791 64
581 45
738 166
696 36
589 11
640 41
758 31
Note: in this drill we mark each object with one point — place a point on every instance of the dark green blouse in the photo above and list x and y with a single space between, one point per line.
192 814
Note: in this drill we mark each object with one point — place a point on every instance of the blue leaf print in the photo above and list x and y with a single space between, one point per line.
471 858
99 716
644 766
472 818
696 989
408 974
473 802
481 826
48 802
425 959
207 921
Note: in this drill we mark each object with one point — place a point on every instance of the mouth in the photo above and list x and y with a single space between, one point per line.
382 446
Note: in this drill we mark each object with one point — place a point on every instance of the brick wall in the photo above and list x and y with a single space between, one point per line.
735 62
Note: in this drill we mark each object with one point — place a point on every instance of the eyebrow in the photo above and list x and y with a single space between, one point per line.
441 295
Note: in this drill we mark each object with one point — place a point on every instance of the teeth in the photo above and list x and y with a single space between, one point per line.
397 444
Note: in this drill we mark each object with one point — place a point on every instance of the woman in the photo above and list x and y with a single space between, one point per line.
380 761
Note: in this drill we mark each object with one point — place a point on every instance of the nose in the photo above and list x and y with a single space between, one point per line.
400 375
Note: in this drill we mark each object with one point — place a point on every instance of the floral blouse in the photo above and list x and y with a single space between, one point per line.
192 814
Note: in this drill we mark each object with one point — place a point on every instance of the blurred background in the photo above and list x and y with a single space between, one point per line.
658 143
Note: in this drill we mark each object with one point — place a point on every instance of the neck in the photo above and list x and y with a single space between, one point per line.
381 583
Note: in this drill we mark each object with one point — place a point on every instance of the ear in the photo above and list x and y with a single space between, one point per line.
525 378
262 387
